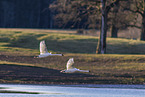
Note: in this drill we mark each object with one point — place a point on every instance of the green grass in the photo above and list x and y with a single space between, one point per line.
28 39
124 62
56 42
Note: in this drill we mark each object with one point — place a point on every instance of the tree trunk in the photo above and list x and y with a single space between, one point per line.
114 31
101 47
143 28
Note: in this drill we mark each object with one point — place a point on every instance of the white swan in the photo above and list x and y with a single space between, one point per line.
44 52
71 69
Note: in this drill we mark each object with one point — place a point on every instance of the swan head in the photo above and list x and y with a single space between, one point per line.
63 71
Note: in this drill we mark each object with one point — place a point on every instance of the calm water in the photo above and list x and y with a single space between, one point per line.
18 90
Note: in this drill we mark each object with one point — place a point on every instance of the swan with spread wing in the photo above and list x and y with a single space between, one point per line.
44 52
71 69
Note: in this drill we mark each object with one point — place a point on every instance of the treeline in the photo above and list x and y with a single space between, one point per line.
52 14
73 14
24 14
87 14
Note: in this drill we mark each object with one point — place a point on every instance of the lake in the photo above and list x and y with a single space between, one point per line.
21 90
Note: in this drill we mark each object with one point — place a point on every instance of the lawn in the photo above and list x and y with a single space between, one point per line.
124 62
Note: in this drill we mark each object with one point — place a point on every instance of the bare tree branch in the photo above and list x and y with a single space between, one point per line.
134 11
112 5
129 25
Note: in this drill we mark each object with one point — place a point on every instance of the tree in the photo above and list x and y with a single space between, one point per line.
76 9
75 13
101 47
114 27
138 8
120 18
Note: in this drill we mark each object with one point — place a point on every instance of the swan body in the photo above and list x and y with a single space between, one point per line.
44 52
71 69
48 54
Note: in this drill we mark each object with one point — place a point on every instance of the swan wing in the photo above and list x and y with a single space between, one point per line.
70 63
43 48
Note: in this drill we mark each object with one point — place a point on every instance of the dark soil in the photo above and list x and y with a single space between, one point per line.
47 71
12 73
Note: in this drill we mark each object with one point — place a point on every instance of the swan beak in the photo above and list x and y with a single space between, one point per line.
62 71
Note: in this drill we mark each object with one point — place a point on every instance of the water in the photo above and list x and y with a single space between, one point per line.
18 90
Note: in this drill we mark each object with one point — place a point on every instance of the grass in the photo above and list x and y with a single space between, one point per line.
15 40
124 62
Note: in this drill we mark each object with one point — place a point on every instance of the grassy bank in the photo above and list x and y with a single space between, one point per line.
124 63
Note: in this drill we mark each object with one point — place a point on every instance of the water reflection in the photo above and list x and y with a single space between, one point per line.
18 90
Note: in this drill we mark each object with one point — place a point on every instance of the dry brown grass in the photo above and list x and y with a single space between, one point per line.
105 69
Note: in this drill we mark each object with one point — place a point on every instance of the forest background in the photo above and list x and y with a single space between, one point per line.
74 14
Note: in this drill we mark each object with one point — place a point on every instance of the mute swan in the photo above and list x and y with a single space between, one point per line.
44 52
71 69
